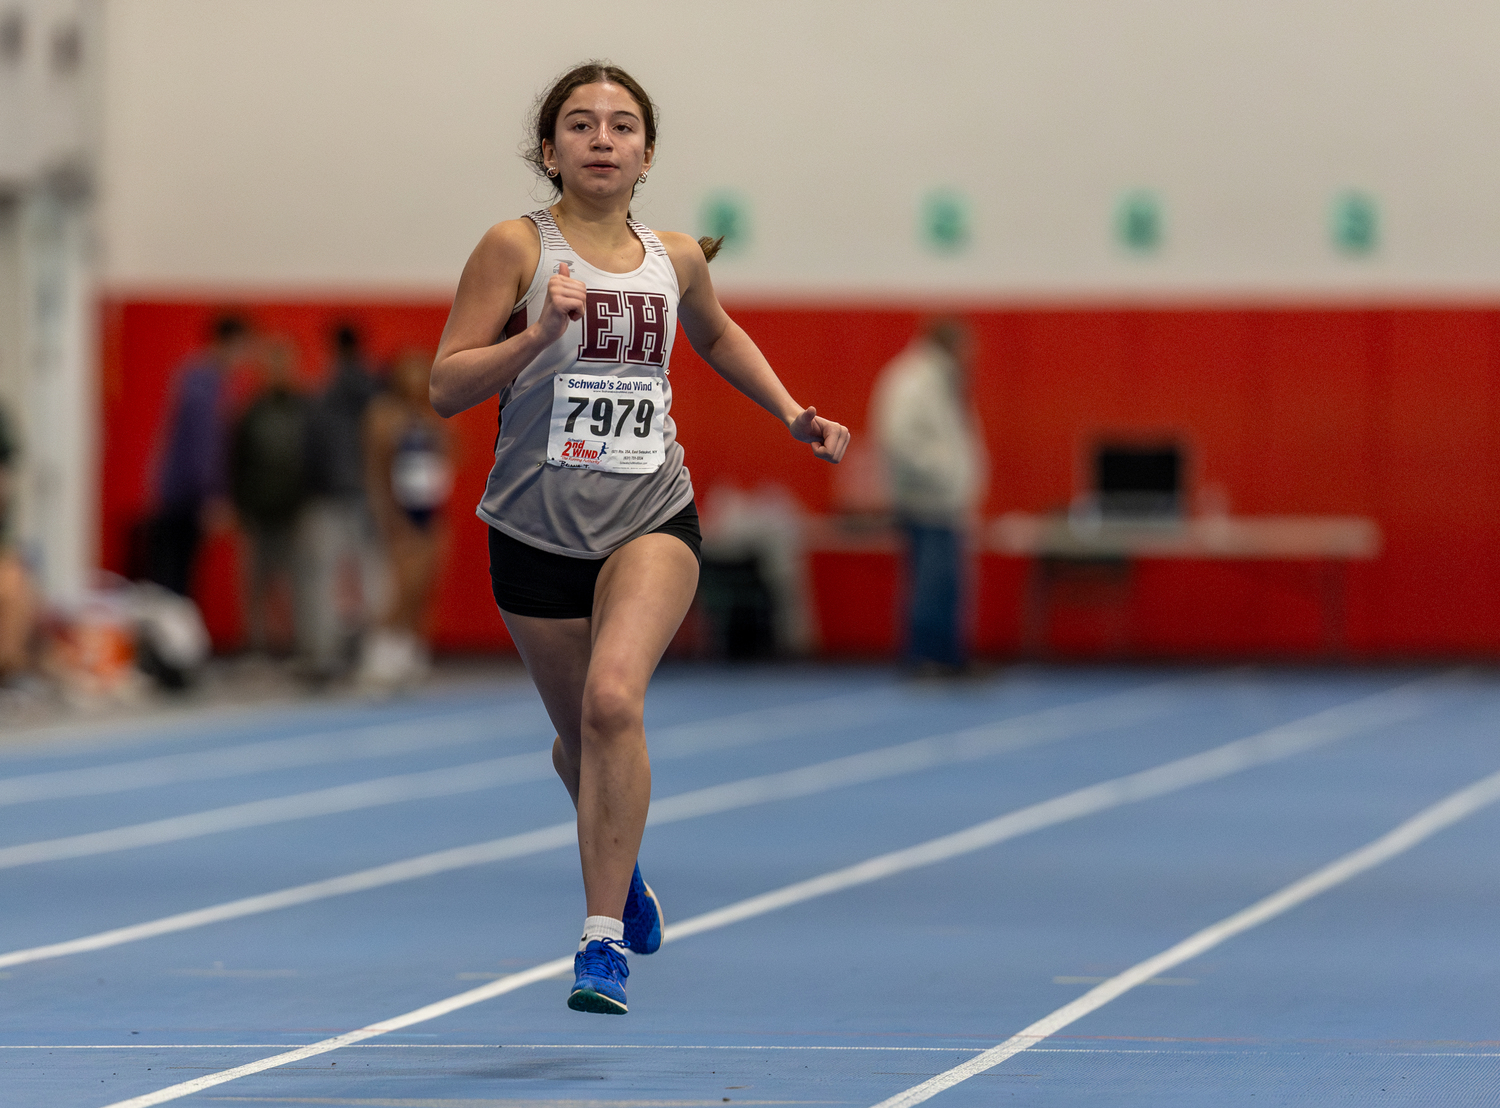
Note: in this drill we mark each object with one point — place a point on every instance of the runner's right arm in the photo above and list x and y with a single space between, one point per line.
472 362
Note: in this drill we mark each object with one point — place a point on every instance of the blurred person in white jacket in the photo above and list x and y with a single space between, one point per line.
933 446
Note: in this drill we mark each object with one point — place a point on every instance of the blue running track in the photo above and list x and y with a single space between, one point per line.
173 907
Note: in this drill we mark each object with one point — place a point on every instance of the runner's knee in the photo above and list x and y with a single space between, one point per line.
611 708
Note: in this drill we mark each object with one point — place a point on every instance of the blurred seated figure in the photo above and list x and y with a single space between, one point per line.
18 615
268 484
409 474
337 532
930 436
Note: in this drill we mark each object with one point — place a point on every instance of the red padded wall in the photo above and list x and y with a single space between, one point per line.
1388 413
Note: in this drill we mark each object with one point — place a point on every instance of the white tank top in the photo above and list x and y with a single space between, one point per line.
587 456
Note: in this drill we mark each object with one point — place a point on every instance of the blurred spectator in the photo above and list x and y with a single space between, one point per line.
18 614
190 480
18 606
337 532
10 450
268 484
933 445
409 476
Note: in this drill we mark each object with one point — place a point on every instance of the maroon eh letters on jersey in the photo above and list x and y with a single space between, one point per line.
642 340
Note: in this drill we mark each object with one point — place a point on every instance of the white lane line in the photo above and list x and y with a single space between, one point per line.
279 809
970 744
1133 705
112 732
425 784
1446 812
1385 708
1047 724
1067 979
1179 1052
319 748
855 769
1382 709
772 724
416 735
488 1045
875 704
425 865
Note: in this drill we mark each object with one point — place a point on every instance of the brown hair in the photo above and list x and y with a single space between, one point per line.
543 123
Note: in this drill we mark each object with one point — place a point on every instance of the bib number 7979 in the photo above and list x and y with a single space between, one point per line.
615 424
603 417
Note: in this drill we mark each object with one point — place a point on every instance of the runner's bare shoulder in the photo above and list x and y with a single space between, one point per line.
685 254
506 257
680 245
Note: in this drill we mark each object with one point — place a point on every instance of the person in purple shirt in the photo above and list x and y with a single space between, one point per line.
191 477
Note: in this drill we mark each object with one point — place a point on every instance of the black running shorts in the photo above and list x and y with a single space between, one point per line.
531 582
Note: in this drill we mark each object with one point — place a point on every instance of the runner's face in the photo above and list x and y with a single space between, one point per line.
600 145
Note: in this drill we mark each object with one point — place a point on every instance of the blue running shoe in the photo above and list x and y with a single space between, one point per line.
601 972
642 917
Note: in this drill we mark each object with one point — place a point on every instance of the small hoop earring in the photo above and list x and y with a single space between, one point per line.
552 171
641 180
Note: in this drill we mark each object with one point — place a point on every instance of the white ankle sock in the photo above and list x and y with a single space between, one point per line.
601 927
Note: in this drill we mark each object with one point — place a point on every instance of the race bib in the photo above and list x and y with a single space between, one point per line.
617 424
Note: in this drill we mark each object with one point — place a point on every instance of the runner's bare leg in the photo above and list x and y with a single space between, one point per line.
592 676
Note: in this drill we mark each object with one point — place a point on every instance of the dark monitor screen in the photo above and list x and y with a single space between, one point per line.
1135 480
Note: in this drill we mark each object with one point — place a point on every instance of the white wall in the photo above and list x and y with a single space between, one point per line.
47 85
364 145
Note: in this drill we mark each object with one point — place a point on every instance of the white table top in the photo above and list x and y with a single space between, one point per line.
1272 537
1057 535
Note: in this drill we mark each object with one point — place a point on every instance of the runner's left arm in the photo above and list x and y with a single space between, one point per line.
723 344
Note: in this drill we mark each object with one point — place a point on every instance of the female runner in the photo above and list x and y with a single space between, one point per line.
569 315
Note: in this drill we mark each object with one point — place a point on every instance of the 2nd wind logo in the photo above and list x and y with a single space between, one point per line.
583 451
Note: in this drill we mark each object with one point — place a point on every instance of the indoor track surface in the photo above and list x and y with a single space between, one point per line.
1121 887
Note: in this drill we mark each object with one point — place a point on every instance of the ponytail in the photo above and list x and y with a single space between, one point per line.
710 246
